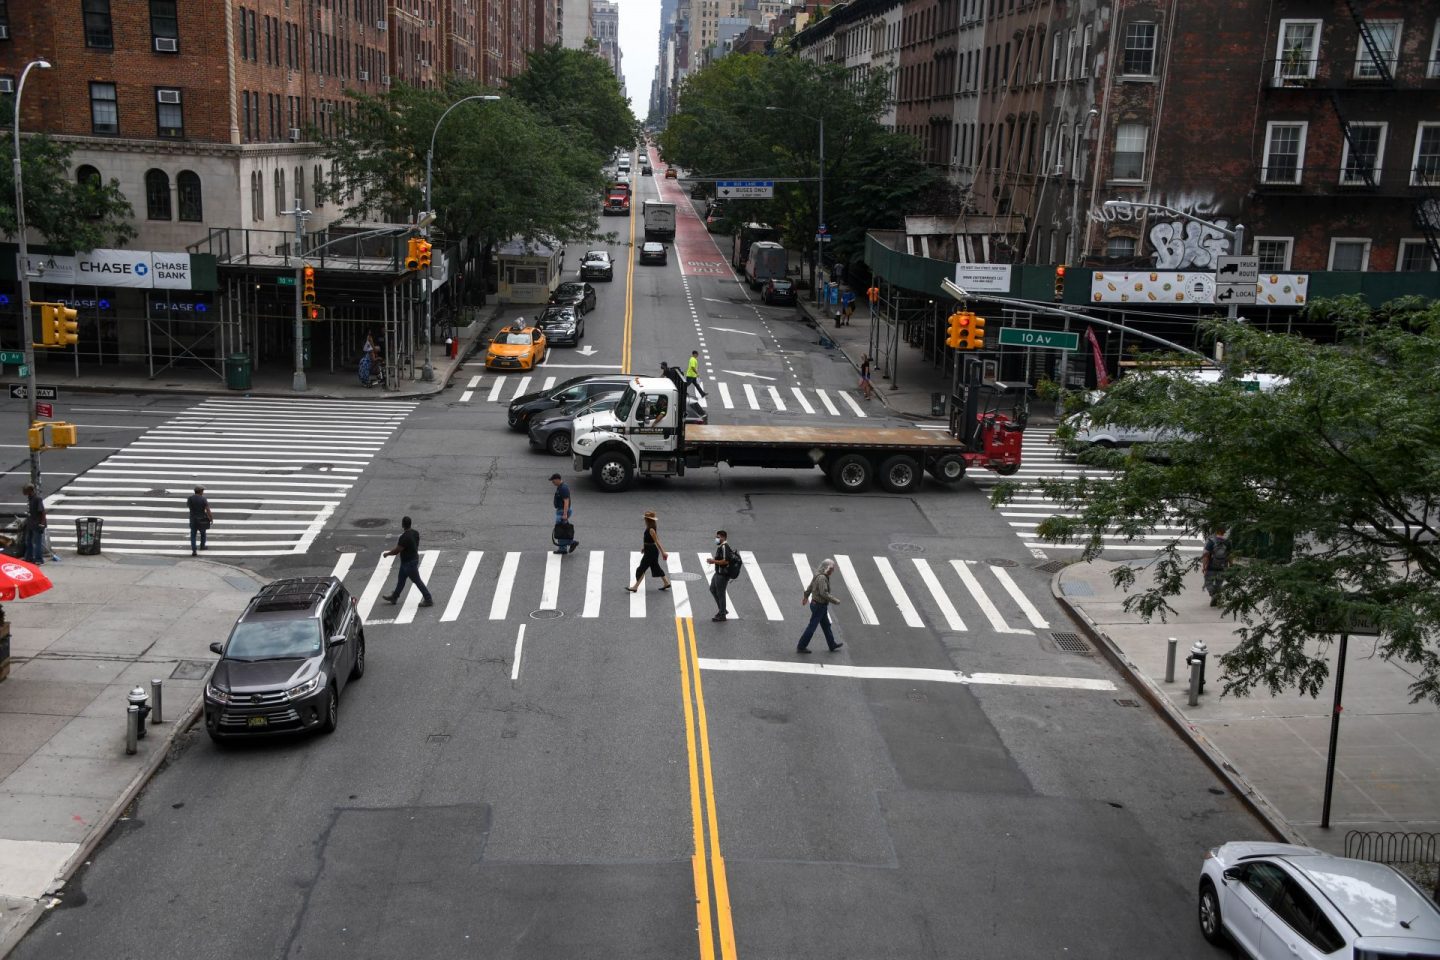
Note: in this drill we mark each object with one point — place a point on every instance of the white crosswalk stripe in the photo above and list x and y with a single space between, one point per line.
274 472
875 591
1041 458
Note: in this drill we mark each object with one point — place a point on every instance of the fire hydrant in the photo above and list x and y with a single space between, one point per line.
1196 661
452 347
139 699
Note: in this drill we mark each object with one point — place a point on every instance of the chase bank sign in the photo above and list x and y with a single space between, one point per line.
115 268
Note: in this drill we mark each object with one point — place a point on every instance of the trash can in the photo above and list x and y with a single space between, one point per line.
237 371
87 536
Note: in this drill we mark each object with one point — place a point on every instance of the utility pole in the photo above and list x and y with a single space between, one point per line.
27 324
301 215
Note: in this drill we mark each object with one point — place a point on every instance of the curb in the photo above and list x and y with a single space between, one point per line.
1213 757
101 829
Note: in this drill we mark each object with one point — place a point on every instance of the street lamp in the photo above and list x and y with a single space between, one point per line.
26 324
427 373
820 205
1236 234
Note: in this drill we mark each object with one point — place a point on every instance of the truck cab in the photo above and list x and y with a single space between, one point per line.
643 431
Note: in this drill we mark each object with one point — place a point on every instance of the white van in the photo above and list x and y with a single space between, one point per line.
766 260
1114 434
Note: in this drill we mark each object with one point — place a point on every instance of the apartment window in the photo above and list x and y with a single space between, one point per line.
1432 69
1284 152
1386 36
1273 253
86 175
244 36
1363 150
317 178
157 195
300 186
257 195
1415 256
1349 253
5 16
1298 48
164 25
104 110
1129 160
280 199
1085 50
1138 59
1055 56
169 114
1120 247
1426 168
254 38
245 114
187 189
99 32
1045 153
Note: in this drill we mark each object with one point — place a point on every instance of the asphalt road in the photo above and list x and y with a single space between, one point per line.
558 775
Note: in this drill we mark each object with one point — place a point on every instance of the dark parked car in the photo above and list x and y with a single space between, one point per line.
653 252
575 294
596 265
522 409
778 291
552 431
563 326
288 657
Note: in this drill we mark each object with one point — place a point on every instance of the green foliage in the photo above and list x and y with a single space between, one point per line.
72 216
575 91
723 127
1344 459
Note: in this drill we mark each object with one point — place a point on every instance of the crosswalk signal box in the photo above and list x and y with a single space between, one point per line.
63 434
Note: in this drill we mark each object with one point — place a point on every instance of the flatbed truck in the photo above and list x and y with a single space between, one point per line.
646 435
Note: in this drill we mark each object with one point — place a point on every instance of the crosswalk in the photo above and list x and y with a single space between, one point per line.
274 471
1042 458
952 595
765 398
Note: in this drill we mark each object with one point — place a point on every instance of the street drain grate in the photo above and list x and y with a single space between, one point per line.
1001 562
906 548
367 523
1053 566
1126 703
1071 643
190 670
438 738
546 614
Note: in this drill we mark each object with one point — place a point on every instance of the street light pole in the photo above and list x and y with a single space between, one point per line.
301 215
427 373
27 325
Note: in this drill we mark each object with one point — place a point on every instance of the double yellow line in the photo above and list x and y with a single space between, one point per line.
707 863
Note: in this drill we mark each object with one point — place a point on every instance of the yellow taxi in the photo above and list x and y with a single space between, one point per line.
516 348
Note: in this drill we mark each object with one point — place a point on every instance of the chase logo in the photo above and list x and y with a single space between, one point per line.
141 269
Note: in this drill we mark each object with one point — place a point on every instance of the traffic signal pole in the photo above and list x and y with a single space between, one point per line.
27 323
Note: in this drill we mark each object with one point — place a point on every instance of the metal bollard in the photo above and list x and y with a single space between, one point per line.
1170 660
132 729
157 701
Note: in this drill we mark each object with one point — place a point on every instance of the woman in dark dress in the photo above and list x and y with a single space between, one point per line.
651 555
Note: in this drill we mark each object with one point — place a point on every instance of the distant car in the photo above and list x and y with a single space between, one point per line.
1279 901
524 408
645 169
575 294
670 173
596 265
653 252
297 645
777 291
516 348
562 326
553 430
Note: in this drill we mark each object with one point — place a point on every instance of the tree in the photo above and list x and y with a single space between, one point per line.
576 91
1342 461
72 214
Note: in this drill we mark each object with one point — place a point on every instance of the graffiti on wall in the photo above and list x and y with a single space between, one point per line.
1178 244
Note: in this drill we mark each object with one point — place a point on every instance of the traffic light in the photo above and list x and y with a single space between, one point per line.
956 332
59 325
307 293
1059 283
422 251
47 325
412 253
977 333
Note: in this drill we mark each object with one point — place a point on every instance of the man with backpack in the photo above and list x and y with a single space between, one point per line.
1214 561
727 564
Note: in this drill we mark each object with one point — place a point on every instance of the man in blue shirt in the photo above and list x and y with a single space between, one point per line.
563 513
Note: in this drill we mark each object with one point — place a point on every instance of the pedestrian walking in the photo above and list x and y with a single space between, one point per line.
847 302
200 518
722 560
408 547
820 598
651 553
867 390
564 513
1214 561
692 372
34 525
674 375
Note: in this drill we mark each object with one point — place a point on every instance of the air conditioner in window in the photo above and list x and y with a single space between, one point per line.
167 45
384 79
362 75
7 85
380 25
294 134
167 96
4 32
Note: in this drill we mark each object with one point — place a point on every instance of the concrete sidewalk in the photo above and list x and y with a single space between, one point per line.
1273 748
108 625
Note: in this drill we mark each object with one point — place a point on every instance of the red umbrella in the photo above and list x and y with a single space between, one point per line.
19 579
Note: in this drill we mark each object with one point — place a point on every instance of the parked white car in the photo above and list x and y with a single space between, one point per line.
1088 430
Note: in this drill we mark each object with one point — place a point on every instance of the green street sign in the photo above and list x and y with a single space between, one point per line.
11 356
1039 339
24 371
284 281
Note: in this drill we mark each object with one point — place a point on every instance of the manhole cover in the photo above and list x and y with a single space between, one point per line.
1052 566
686 575
369 523
1001 562
1071 643
546 614
438 738
906 548
190 670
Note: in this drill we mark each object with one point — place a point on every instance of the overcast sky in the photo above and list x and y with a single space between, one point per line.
639 37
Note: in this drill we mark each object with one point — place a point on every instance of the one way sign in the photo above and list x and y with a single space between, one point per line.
43 391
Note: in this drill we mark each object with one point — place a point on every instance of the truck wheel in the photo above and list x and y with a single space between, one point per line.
950 468
900 474
851 473
612 472
1007 469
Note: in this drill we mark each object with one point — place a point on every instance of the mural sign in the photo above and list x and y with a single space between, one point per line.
1170 287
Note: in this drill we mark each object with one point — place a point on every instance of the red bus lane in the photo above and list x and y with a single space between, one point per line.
694 249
